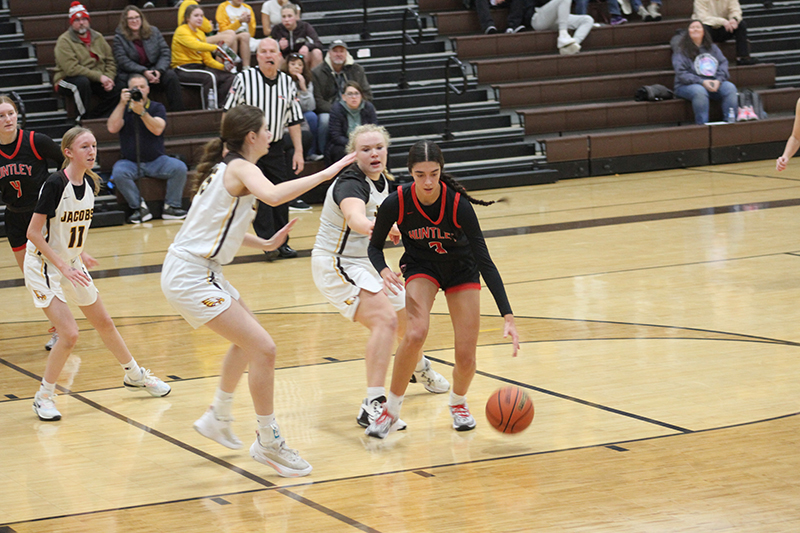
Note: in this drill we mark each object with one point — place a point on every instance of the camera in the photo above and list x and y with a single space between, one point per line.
136 94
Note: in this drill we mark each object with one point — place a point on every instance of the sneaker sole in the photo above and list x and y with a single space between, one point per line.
146 218
55 418
226 443
282 470
134 388
172 217
464 428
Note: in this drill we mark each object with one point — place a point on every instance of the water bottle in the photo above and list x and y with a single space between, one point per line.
212 98
732 115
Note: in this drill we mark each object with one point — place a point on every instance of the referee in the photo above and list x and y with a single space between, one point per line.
274 92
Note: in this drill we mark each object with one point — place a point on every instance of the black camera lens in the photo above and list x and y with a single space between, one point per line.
136 94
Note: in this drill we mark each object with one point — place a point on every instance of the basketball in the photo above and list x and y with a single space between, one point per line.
509 410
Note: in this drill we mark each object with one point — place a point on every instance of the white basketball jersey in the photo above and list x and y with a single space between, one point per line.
217 222
67 231
334 235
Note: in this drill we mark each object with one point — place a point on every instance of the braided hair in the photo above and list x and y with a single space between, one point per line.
426 150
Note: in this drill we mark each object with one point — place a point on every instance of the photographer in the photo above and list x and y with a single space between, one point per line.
140 123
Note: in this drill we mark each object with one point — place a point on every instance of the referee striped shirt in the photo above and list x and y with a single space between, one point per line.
277 98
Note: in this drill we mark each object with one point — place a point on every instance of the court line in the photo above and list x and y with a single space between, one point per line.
505 232
207 456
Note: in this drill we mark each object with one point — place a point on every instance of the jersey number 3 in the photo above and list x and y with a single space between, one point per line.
437 247
76 236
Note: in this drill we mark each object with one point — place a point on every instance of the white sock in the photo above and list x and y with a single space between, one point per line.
132 370
420 364
394 403
49 388
455 399
564 35
223 401
374 392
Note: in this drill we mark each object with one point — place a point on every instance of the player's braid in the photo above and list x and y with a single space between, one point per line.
456 186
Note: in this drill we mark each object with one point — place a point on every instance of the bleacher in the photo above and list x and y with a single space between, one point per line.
519 113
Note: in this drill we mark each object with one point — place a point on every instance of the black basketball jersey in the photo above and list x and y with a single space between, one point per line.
431 232
23 169
446 230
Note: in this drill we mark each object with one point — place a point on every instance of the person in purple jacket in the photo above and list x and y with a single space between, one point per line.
701 74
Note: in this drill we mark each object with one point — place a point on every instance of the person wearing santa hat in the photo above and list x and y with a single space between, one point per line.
85 66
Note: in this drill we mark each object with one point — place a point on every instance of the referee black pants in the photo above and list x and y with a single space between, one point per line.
270 219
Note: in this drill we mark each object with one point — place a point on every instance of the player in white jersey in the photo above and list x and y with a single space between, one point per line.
192 279
55 270
344 275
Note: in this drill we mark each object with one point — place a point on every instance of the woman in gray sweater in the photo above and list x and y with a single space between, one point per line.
701 74
139 48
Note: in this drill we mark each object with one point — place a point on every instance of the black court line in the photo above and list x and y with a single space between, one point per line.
570 398
505 232
208 457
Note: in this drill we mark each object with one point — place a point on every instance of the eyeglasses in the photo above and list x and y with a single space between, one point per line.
296 56
352 94
137 17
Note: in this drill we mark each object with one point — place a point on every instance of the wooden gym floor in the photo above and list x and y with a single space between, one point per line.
658 315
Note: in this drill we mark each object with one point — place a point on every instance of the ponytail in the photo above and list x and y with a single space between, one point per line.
212 154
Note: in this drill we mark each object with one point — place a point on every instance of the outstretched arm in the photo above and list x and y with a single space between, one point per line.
793 143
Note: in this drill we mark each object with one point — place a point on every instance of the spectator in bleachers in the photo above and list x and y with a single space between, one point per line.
352 111
239 17
555 15
330 79
297 36
271 14
723 20
85 66
141 49
140 123
701 74
614 11
193 62
295 66
650 13
516 10
227 37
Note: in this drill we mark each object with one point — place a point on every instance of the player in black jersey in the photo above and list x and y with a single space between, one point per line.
444 249
23 168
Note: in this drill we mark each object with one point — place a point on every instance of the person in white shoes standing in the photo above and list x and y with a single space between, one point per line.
344 275
56 270
444 249
192 280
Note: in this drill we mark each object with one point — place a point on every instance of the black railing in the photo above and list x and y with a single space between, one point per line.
403 84
365 31
447 135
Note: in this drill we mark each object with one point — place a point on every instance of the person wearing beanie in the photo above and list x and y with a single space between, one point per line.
85 66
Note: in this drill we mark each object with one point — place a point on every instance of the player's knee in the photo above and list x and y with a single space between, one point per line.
68 336
416 334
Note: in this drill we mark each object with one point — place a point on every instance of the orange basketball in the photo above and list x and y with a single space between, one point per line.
509 410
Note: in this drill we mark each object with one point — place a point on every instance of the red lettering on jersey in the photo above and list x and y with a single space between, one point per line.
17 185
437 247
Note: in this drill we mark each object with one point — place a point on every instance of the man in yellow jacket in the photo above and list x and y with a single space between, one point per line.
85 66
